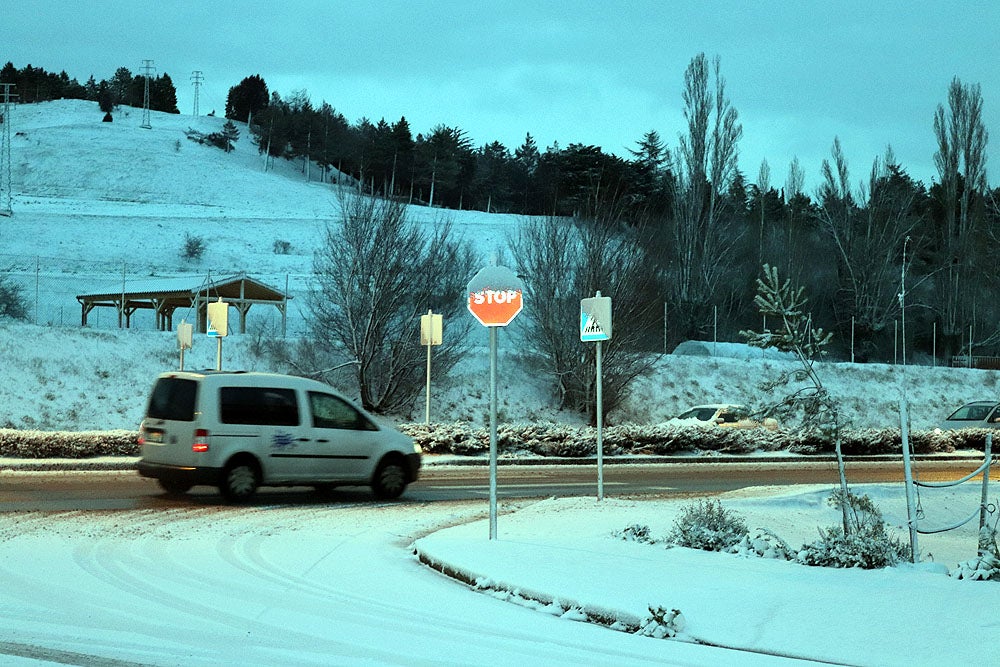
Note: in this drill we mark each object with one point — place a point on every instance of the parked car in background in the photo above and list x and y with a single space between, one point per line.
977 414
723 415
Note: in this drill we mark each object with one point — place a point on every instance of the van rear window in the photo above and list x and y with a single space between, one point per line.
258 405
173 399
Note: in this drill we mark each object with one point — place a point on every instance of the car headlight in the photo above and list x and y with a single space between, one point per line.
417 449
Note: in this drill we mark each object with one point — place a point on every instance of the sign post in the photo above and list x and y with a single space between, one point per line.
595 326
218 326
185 339
495 299
430 335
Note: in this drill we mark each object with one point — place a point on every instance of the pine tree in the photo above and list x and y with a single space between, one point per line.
784 304
229 134
249 96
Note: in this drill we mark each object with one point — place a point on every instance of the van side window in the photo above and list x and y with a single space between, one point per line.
173 399
332 412
258 405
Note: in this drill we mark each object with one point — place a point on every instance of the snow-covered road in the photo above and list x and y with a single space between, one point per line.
303 585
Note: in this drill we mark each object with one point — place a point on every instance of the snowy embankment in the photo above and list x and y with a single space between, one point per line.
63 378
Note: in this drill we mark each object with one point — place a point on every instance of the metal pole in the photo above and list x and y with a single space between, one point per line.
427 406
664 327
895 342
218 354
121 315
852 339
934 345
600 425
493 433
911 520
715 329
986 480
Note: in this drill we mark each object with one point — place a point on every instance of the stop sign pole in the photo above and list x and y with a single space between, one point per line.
495 299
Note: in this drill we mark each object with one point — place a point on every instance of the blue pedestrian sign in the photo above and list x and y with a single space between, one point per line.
595 319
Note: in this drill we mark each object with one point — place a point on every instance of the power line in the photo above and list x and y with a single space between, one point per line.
196 81
147 72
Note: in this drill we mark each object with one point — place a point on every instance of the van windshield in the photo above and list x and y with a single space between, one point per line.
173 399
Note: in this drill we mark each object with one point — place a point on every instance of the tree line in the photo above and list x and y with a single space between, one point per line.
877 251
34 84
890 264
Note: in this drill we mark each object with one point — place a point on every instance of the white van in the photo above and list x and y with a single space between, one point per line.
238 431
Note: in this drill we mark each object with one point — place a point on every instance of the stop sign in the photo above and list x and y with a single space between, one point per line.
495 296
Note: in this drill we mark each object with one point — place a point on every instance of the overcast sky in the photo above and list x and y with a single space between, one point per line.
568 71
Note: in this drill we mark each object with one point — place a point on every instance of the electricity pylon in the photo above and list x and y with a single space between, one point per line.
6 194
147 72
196 82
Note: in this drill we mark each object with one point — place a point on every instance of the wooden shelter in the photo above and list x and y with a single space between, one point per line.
166 295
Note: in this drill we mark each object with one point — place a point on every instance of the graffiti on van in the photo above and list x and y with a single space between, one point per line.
282 440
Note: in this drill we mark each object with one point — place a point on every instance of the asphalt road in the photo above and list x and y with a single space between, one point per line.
124 489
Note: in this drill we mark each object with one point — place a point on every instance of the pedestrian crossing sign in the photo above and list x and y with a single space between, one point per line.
595 319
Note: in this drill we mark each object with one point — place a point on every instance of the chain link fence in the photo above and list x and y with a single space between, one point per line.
48 288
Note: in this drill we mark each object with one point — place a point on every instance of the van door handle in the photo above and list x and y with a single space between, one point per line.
322 440
302 440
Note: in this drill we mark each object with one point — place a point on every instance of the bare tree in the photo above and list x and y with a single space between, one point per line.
700 240
563 261
375 274
763 187
961 164
867 238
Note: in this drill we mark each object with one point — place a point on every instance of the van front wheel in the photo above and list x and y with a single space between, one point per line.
240 481
389 480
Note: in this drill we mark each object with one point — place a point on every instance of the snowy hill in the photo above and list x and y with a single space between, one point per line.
94 201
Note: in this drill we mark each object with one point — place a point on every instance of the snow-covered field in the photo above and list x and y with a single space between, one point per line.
338 583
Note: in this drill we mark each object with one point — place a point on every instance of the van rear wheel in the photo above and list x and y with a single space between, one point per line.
240 481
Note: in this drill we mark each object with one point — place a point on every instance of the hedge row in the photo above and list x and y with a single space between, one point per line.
662 439
549 440
67 444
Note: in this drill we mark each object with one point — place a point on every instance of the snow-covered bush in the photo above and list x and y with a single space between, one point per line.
867 544
707 525
662 623
983 567
193 247
12 301
986 565
635 533
762 543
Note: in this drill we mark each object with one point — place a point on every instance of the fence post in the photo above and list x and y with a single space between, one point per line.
911 519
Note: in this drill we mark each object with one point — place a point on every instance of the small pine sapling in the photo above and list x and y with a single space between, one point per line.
785 304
